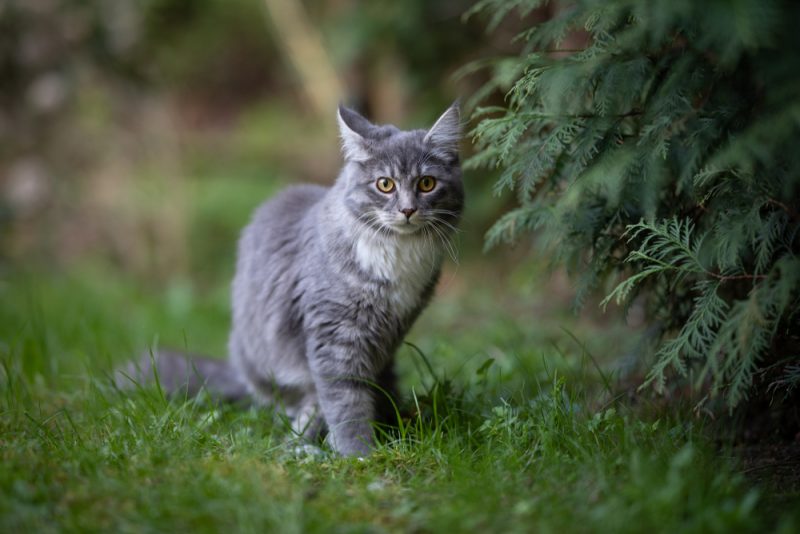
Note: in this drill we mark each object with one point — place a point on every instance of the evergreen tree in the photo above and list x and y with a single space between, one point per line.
665 153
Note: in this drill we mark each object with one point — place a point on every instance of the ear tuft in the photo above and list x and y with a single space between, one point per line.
446 131
353 143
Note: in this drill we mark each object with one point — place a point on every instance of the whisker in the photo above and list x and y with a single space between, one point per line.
436 257
450 227
451 251
371 221
436 229
442 214
442 210
453 230
429 243
448 246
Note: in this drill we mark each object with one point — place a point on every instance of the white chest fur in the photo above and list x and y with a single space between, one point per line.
406 262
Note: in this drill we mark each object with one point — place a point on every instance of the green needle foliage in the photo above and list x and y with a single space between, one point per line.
663 149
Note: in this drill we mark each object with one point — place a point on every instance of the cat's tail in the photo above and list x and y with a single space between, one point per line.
183 374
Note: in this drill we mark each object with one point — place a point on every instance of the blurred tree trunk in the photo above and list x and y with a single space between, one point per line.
301 43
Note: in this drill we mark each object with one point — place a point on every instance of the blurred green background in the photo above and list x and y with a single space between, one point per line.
137 136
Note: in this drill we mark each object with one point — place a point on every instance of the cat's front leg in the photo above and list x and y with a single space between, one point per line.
345 392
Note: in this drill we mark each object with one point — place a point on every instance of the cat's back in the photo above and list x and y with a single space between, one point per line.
275 235
266 322
288 206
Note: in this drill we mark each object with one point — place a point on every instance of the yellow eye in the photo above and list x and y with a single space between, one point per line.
426 184
385 185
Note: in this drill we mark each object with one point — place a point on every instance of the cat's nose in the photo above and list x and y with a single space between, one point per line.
408 212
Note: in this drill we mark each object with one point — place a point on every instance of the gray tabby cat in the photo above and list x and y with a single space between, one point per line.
329 280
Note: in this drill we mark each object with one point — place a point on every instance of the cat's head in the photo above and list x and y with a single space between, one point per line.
402 181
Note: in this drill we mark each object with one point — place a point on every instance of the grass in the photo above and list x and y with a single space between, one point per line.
512 434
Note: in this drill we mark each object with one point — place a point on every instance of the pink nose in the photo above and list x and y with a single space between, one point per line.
408 212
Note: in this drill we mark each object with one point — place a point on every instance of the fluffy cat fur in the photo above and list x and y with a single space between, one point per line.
329 280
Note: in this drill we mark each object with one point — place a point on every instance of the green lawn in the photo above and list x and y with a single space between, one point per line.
512 430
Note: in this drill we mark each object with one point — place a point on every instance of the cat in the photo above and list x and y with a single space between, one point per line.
329 280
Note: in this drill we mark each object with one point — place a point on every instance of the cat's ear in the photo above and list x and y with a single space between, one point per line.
445 133
353 129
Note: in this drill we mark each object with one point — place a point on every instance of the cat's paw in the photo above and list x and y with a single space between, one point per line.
304 452
309 450
353 446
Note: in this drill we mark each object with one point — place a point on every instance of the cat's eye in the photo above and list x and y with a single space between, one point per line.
426 184
385 185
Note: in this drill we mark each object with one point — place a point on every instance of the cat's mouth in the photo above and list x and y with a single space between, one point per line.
401 225
405 228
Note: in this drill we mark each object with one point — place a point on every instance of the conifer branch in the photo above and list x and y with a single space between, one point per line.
554 116
713 141
789 211
727 278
